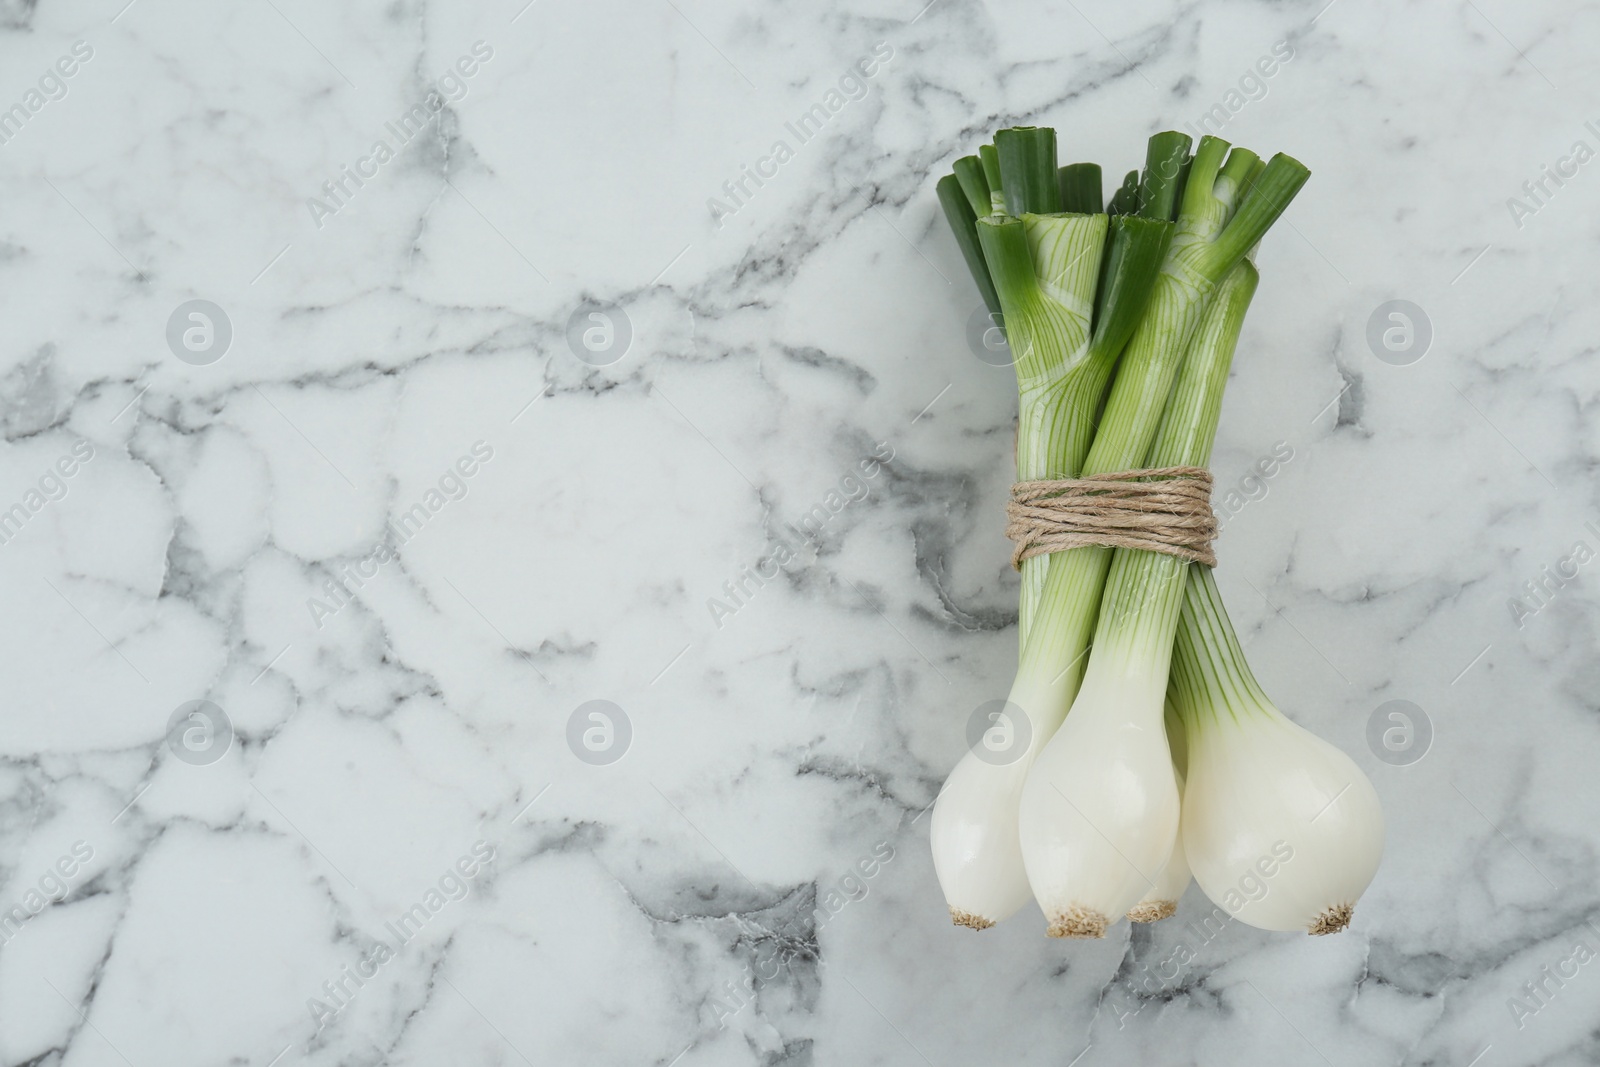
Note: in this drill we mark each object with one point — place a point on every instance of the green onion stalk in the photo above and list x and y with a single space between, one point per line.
1214 232
1069 286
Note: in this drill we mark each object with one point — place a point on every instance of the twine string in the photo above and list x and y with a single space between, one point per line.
1163 509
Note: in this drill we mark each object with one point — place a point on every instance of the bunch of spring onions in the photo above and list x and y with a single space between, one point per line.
1144 751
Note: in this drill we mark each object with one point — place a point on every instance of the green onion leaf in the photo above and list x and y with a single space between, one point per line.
1080 188
1163 170
990 161
1028 169
969 172
1267 199
1125 201
1135 250
964 224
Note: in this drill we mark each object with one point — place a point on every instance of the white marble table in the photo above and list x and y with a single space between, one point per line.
372 509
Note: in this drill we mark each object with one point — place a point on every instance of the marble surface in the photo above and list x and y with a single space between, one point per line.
399 536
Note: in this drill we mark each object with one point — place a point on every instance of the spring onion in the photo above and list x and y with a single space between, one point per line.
1054 274
977 852
1282 829
1099 811
1123 317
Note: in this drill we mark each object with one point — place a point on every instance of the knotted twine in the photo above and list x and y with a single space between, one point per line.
1163 509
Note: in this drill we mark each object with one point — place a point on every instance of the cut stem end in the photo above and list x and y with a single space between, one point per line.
969 920
1331 921
1152 911
1078 922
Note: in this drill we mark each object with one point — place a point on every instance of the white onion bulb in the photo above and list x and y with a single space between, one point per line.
974 838
1281 829
1162 899
1099 811
976 853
